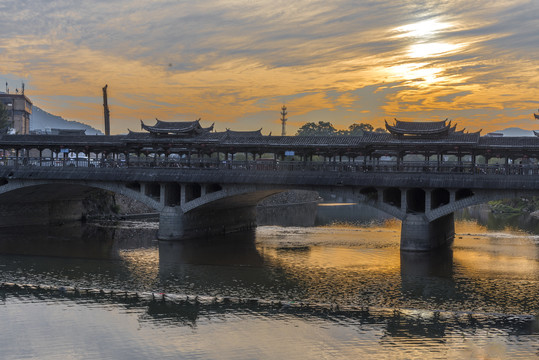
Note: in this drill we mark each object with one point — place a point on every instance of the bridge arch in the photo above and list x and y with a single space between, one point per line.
232 196
27 202
476 197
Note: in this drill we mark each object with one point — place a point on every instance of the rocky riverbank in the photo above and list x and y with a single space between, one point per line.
289 208
107 205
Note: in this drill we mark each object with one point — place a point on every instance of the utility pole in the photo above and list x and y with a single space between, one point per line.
106 110
283 120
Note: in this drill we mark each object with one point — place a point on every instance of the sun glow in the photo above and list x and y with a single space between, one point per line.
431 49
422 29
416 72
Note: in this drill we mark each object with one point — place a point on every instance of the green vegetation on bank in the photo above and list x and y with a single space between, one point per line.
514 206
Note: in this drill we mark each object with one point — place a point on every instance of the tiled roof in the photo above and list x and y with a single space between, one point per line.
419 128
509 141
251 141
175 127
230 134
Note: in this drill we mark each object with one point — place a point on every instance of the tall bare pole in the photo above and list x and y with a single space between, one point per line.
283 120
106 110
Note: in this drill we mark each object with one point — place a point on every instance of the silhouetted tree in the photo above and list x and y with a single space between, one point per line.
323 128
359 129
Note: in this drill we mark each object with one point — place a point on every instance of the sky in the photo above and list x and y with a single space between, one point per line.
236 62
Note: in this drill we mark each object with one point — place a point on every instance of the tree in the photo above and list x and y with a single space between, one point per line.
4 118
380 130
323 128
359 129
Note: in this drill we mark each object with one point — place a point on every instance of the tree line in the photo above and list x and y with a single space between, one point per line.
325 128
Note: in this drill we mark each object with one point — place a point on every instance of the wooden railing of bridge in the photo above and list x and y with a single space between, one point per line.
279 165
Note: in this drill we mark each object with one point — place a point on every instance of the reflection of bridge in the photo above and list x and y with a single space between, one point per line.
210 183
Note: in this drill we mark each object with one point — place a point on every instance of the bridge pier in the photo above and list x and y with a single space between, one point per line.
170 223
176 225
418 234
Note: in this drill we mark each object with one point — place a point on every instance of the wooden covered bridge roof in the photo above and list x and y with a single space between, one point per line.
191 135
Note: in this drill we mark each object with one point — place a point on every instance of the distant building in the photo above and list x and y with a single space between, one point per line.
19 109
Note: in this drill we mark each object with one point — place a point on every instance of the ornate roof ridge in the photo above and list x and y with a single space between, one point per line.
176 127
403 122
418 128
244 132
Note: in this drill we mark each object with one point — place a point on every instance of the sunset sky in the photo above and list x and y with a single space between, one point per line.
235 62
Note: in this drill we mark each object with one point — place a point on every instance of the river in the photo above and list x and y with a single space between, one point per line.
339 290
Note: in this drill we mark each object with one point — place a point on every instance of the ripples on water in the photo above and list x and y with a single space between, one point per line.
296 293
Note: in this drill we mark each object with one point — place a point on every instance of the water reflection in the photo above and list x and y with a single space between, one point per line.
236 250
393 333
72 239
350 284
231 266
428 277
77 239
335 265
421 264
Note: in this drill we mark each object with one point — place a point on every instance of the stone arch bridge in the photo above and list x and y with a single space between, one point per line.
199 202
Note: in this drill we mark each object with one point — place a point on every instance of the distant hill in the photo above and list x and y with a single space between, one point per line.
514 131
41 120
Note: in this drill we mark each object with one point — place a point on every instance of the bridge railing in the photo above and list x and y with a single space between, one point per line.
278 165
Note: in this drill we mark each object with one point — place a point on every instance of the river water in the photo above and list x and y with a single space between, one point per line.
340 290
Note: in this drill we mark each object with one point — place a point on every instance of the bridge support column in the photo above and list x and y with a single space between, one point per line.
175 225
428 200
171 223
404 204
452 196
418 234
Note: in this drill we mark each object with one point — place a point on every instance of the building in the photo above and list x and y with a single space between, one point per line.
19 109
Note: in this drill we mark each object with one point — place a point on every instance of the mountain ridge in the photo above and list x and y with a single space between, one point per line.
42 120
515 131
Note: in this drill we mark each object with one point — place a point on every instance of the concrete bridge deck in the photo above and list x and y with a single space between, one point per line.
199 201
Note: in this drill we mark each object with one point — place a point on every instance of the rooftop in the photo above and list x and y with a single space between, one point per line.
413 128
176 127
